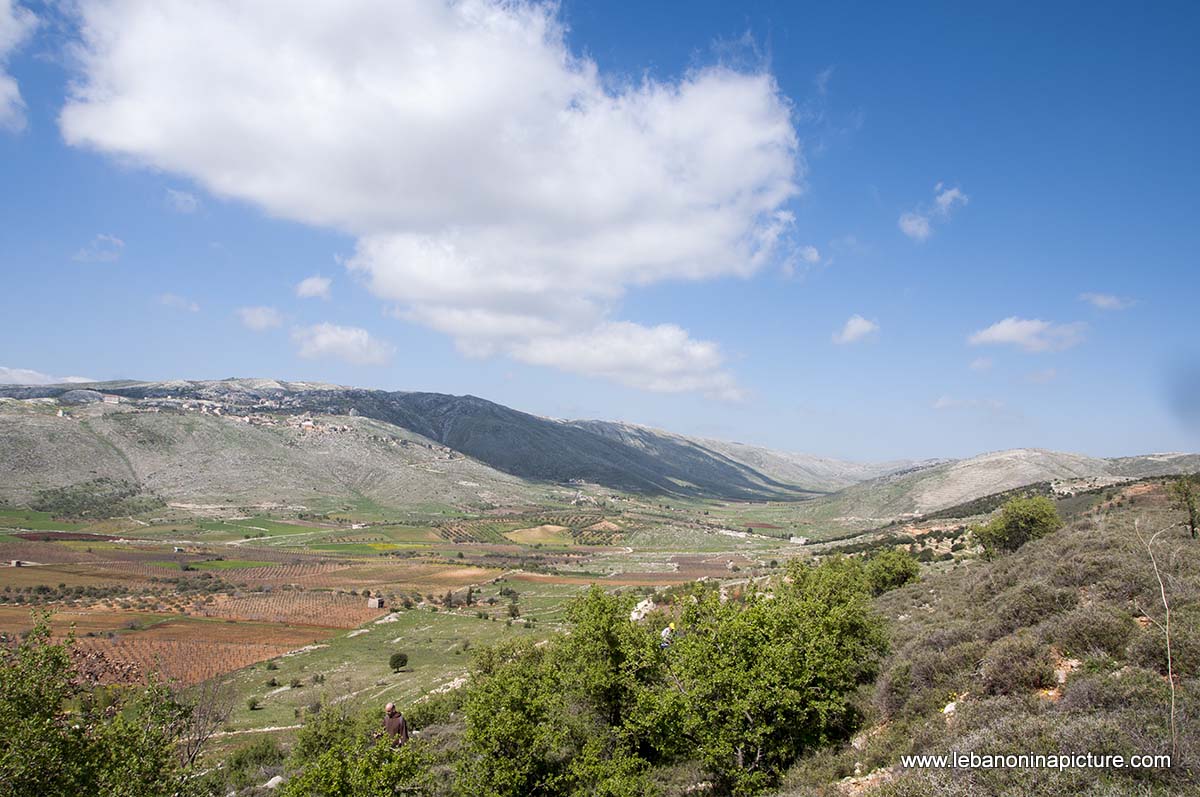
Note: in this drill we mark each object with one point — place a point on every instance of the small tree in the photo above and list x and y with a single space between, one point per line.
891 569
1184 493
398 661
210 705
1020 520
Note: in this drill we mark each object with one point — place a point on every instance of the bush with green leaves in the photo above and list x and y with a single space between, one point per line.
62 736
251 765
890 569
744 687
435 709
398 661
1020 520
341 757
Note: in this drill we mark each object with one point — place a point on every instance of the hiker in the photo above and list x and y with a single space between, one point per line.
666 635
394 725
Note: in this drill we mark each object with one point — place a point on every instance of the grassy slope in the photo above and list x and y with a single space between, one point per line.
976 632
355 663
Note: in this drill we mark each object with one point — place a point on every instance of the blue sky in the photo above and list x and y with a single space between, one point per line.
864 231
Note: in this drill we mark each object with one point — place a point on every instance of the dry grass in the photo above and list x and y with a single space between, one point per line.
545 534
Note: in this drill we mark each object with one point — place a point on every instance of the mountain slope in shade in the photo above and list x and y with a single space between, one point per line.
818 474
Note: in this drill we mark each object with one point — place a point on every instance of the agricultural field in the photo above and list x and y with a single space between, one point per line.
29 519
201 597
287 607
546 534
188 652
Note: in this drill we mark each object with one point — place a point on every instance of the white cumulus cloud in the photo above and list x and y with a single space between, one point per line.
855 329
918 224
16 26
501 188
663 359
1030 334
27 376
314 287
947 199
259 318
915 226
350 344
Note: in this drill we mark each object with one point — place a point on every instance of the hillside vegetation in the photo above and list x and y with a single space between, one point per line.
1058 647
811 677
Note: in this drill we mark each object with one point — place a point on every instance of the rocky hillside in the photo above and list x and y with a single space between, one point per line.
238 439
516 443
204 459
929 487
1056 648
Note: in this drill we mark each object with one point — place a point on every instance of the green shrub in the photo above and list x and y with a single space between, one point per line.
1017 664
398 661
61 737
435 709
1027 604
1020 520
1148 647
1091 629
1114 690
251 765
358 766
890 569
746 685
98 498
252 703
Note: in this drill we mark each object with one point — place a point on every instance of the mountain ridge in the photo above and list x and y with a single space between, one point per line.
509 449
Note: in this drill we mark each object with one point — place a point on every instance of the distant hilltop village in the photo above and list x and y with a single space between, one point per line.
278 413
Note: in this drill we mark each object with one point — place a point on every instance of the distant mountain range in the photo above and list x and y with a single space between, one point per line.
245 439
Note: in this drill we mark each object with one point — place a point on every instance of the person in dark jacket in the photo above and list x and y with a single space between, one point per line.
394 725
